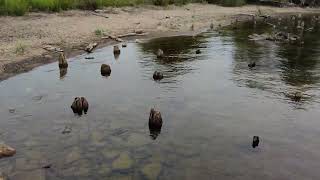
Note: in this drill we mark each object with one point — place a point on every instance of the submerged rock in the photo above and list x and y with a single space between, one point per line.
97 138
105 70
122 162
157 76
110 154
137 140
297 96
73 156
12 110
6 151
251 65
255 141
198 51
66 130
48 166
63 61
152 170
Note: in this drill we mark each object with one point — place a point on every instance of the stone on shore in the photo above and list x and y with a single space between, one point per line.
152 170
91 47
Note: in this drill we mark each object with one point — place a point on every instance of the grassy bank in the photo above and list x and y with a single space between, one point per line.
20 7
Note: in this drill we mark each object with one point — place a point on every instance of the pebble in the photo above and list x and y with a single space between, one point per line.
152 170
122 162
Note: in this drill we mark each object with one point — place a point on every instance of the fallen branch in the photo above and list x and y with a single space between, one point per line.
115 38
101 15
52 48
90 47
245 14
132 34
118 38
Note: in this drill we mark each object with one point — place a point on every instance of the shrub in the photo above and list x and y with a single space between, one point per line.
20 48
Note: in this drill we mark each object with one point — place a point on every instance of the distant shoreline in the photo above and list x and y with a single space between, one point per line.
22 38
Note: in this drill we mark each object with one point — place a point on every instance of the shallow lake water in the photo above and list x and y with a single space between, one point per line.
212 105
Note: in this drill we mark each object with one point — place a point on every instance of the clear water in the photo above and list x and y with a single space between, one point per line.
212 105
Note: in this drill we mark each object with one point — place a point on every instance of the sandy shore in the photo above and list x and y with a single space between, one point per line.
22 38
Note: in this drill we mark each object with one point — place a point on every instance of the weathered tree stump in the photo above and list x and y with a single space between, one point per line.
160 53
255 141
105 70
62 61
77 106
85 105
116 50
155 119
157 76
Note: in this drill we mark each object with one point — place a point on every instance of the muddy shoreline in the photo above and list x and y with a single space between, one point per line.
23 65
14 68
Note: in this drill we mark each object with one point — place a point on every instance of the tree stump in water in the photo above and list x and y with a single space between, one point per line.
63 61
255 141
155 119
160 53
116 50
77 106
105 70
157 76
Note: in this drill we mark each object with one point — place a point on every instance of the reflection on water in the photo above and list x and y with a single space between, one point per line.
211 103
290 63
179 52
63 72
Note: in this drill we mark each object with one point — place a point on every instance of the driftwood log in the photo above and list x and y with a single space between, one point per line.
91 47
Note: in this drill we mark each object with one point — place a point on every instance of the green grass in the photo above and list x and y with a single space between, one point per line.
13 7
233 2
99 32
20 48
228 2
20 7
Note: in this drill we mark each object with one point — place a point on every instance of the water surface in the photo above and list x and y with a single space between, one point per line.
212 105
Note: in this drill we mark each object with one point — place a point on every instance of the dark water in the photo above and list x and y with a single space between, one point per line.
212 105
